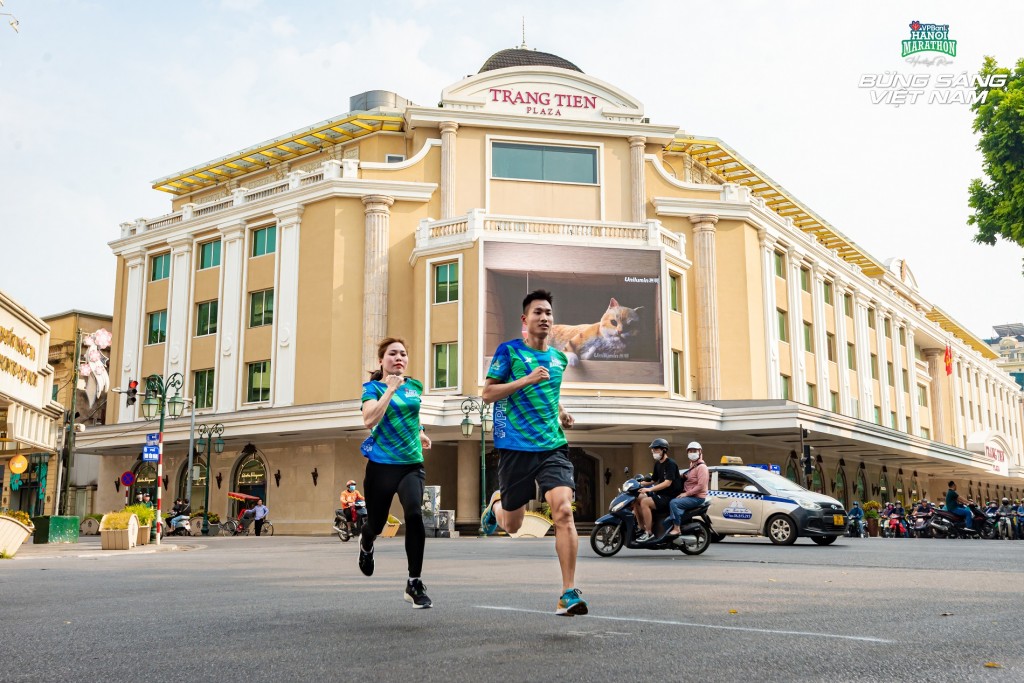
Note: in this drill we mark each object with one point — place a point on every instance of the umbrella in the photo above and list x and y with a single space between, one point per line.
242 496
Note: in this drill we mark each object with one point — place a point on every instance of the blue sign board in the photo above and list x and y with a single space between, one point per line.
150 453
153 439
771 468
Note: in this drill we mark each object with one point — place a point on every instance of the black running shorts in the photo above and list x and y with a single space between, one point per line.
521 472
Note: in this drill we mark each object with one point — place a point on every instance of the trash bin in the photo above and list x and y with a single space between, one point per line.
55 529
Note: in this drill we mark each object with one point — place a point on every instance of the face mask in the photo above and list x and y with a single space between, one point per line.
351 488
656 456
694 457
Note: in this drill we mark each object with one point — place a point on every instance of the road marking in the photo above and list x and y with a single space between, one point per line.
668 622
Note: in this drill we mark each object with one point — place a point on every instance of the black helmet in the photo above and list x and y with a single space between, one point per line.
1005 500
659 443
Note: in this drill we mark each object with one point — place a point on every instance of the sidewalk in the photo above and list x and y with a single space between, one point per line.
89 546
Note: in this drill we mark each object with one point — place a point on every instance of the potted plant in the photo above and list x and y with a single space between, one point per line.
146 515
871 509
391 528
119 530
15 527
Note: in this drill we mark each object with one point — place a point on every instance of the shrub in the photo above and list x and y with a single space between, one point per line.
20 516
871 509
116 520
95 515
144 512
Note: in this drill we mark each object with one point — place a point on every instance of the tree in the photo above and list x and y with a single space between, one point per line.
998 200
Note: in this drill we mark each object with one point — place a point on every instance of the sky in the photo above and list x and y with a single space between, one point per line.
99 98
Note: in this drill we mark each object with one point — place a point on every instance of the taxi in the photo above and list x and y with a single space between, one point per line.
750 501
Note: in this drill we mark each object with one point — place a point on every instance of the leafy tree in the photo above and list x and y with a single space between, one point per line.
998 200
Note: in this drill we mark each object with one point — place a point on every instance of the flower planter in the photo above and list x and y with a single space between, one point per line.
120 539
12 534
535 525
872 528
143 537
90 526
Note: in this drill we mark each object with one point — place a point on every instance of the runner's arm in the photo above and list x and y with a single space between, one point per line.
494 390
373 411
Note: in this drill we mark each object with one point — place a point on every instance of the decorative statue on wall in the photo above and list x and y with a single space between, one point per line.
93 380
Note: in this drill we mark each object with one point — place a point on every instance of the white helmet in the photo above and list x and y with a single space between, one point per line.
693 446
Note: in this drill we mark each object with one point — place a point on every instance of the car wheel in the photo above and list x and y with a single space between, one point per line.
781 530
824 540
703 541
606 539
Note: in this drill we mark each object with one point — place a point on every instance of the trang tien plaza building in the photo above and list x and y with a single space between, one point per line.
722 308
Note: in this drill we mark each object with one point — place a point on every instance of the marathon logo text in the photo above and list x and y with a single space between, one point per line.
929 38
895 88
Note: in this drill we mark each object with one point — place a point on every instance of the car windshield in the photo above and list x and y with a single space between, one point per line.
772 481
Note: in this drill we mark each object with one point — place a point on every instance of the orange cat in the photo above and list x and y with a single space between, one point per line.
604 340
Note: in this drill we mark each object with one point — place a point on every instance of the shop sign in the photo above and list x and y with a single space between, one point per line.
997 456
542 102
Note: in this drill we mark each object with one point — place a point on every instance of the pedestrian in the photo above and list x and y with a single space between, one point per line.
394 450
259 515
523 382
146 501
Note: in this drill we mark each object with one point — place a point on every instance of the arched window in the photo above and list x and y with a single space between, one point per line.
861 491
791 471
816 483
900 493
884 490
145 481
250 477
198 483
839 488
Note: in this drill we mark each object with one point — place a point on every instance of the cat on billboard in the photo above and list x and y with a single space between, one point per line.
607 339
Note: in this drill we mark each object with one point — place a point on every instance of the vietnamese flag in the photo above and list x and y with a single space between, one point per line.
949 360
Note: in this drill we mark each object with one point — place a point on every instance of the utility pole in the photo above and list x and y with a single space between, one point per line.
64 477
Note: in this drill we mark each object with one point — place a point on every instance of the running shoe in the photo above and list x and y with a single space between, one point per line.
489 520
416 593
366 561
644 537
571 604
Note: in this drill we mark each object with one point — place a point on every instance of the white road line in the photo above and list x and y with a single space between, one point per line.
667 622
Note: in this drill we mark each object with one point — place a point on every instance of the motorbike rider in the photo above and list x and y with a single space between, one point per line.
180 512
695 486
667 485
957 504
349 497
1010 512
901 518
857 513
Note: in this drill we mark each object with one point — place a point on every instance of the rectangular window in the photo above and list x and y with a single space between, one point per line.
922 395
851 356
918 353
785 386
848 305
54 391
878 415
906 381
160 267
805 279
446 365
874 366
677 372
903 336
891 374
926 433
834 401
202 390
157 328
673 292
892 420
519 161
812 395
783 329
394 158
871 318
961 405
830 343
826 288
261 308
206 318
808 337
264 241
910 425
887 325
259 382
209 255
446 282
780 265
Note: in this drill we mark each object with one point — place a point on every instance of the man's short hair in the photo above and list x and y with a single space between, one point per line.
952 484
537 295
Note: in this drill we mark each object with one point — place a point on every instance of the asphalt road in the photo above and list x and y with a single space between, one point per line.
291 608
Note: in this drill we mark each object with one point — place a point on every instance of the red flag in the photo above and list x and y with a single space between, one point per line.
949 360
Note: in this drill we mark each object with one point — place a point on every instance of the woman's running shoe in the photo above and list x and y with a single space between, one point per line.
416 593
366 561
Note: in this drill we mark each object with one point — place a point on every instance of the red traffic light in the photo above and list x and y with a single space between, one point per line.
133 384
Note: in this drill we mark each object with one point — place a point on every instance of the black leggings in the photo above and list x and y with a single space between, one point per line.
381 483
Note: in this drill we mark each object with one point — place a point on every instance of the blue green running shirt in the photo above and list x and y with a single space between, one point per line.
396 438
528 419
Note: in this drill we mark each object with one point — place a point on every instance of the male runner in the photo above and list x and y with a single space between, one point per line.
523 382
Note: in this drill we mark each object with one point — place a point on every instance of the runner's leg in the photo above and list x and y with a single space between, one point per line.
410 495
380 490
559 499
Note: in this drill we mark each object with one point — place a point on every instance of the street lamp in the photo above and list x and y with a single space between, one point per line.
478 405
158 403
207 432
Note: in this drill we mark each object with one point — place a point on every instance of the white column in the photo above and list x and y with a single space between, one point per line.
863 352
771 322
286 304
820 331
897 372
883 367
986 419
178 309
937 370
638 187
448 129
796 326
230 326
375 276
958 400
131 330
709 387
915 415
843 362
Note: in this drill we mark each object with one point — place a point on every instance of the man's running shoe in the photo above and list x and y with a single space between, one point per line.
416 593
644 537
366 561
489 520
571 604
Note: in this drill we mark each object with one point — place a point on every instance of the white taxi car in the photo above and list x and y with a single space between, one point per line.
751 501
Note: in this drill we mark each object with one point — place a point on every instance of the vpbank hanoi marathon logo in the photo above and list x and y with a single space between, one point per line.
929 38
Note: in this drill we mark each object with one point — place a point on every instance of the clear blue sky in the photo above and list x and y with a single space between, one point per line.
99 98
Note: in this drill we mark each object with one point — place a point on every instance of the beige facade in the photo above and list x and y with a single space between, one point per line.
754 316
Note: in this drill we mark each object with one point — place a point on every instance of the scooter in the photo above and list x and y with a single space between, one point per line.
948 525
922 524
619 527
343 524
183 528
1004 523
896 527
856 528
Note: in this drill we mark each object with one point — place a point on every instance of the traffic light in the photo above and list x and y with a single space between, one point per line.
133 392
806 460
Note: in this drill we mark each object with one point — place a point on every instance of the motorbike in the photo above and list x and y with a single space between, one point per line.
922 524
183 528
1004 523
619 527
948 525
344 526
984 523
856 528
894 527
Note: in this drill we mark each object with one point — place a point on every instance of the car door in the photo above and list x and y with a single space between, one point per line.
736 504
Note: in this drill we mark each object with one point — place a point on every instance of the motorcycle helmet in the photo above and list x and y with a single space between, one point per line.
350 482
659 443
1006 501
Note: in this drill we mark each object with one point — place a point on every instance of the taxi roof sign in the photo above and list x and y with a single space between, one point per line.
731 460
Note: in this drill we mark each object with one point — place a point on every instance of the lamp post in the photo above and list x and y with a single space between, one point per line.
208 432
158 403
477 405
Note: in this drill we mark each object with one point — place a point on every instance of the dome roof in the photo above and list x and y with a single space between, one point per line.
522 56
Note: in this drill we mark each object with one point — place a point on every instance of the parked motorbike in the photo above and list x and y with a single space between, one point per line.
984 523
344 525
619 527
948 525
182 528
856 528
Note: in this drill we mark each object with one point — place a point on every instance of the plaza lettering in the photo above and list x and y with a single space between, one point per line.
18 371
19 344
543 103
